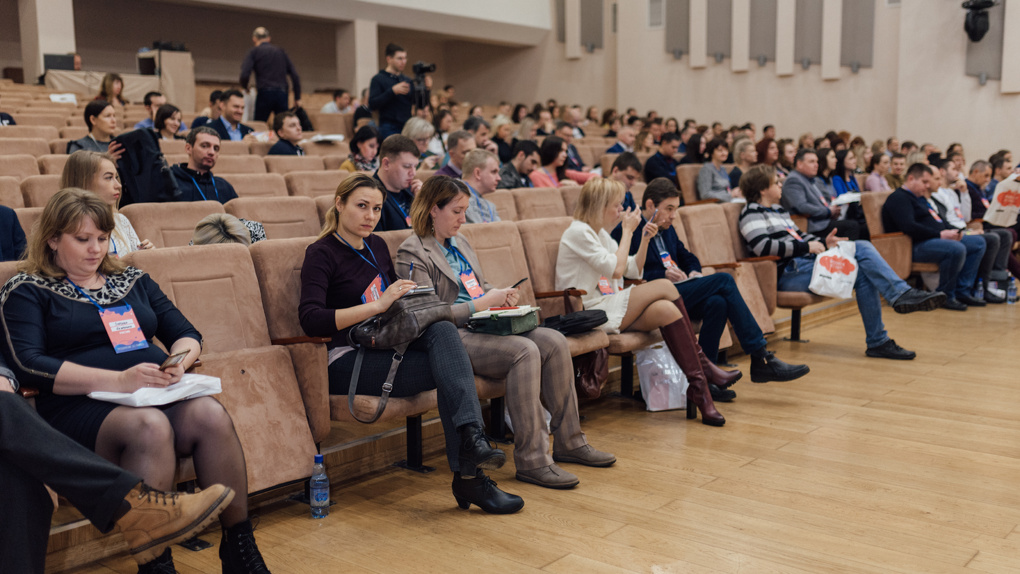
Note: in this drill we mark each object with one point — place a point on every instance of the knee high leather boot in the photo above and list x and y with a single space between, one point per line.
718 377
682 345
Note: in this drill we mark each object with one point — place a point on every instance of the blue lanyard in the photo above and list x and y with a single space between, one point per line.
460 258
660 245
374 263
85 295
478 199
397 203
200 189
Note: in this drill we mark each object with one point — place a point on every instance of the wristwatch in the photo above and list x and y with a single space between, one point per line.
14 383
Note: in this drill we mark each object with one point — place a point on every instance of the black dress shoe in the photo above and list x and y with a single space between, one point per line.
918 300
721 395
482 492
890 350
768 368
971 302
476 451
954 305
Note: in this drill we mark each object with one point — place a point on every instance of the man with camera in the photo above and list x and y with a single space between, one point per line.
393 94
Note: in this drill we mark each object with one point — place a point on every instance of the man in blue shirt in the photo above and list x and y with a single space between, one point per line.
229 124
662 163
481 174
712 299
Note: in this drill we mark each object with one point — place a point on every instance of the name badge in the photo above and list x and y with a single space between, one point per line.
958 212
471 284
667 260
605 287
374 290
794 233
985 202
123 330
935 215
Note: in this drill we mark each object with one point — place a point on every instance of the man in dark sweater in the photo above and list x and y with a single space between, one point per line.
712 299
271 66
288 128
391 92
662 163
12 236
958 256
398 159
195 179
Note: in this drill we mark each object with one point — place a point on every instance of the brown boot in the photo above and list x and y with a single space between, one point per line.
718 377
682 345
158 519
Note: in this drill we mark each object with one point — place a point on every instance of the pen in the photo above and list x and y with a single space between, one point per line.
410 273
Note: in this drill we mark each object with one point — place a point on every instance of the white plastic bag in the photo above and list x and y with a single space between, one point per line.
835 271
663 384
190 386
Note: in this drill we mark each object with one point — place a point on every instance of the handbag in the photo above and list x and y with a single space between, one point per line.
591 371
396 328
577 322
835 271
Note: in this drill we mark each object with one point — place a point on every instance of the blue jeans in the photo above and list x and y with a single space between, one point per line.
874 278
269 100
712 300
958 262
386 129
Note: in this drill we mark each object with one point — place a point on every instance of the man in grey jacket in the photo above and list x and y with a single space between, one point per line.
802 197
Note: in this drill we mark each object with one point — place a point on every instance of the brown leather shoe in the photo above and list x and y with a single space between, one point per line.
586 455
158 519
550 476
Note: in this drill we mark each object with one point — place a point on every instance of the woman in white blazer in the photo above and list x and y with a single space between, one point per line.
591 260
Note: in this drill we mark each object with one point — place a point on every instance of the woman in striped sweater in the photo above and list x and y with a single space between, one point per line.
769 230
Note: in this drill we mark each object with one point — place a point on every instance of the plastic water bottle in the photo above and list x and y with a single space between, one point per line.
1011 292
318 489
979 290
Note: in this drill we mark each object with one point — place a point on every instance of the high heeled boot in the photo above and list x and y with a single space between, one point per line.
682 345
713 374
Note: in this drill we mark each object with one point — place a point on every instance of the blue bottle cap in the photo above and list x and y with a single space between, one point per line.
318 459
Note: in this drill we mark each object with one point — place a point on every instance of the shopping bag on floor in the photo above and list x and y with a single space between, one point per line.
835 271
663 384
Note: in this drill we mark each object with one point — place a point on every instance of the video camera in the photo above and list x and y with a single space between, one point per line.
421 93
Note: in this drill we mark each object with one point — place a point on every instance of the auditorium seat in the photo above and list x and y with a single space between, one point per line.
896 248
59 146
52 163
423 174
40 119
259 148
287 163
46 133
27 217
10 192
606 161
342 124
238 164
322 205
338 149
256 184
333 162
314 183
687 179
282 217
20 146
172 146
233 148
36 190
538 202
19 166
72 133
216 288
569 194
505 204
258 126
169 224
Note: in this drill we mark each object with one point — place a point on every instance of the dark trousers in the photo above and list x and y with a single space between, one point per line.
33 453
269 100
437 360
714 299
848 228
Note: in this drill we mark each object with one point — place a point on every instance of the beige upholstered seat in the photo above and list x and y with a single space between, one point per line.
288 163
256 184
38 189
282 217
20 146
314 183
52 164
45 133
169 224
19 166
538 202
10 192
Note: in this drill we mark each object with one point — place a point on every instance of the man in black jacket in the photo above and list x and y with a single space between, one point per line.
271 66
662 164
909 209
398 159
391 93
194 178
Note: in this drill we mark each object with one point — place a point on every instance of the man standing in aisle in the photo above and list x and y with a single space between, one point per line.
391 93
271 66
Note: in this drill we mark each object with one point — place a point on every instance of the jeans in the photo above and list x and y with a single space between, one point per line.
874 278
269 100
386 129
714 299
958 262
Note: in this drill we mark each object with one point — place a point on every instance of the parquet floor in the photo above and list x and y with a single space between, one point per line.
866 465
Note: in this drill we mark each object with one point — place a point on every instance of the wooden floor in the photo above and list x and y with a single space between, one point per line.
865 465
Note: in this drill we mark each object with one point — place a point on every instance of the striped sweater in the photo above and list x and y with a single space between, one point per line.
770 231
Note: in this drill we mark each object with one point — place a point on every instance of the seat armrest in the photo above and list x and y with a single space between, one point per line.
887 235
298 340
762 258
564 293
731 265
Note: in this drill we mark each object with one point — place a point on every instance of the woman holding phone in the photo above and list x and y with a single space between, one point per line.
536 364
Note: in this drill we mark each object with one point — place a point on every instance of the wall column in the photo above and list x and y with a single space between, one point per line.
47 27
357 54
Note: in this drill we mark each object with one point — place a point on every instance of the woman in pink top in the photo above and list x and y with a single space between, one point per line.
877 168
553 155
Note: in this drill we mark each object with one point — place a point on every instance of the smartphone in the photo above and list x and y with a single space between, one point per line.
514 286
173 360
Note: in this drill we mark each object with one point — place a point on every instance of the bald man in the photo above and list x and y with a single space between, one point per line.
271 66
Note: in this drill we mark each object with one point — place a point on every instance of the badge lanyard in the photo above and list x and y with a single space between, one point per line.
213 179
379 284
120 323
667 259
407 218
467 276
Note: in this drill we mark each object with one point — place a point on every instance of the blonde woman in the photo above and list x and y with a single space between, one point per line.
420 131
503 128
96 172
591 260
537 364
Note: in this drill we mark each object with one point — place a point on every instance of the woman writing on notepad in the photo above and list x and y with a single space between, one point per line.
536 364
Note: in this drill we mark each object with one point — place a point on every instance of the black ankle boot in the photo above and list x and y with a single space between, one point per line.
238 551
163 564
766 367
482 491
476 451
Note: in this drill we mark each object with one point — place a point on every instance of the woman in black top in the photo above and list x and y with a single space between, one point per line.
56 314
695 149
347 277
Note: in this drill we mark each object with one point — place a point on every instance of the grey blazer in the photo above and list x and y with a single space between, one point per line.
431 269
802 197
